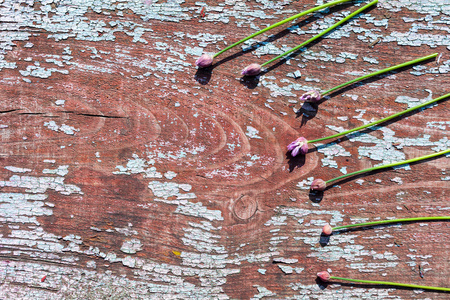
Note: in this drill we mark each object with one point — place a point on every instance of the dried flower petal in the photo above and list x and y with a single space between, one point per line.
299 145
251 70
327 230
311 96
318 185
204 61
324 275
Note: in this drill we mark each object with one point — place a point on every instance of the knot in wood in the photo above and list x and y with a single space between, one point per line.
245 207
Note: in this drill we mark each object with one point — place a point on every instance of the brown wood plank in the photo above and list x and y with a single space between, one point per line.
127 173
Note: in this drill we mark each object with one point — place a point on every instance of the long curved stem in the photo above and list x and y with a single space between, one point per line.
392 221
391 165
281 23
414 286
412 62
382 120
322 33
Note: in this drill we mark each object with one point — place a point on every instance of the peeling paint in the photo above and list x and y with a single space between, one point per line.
207 258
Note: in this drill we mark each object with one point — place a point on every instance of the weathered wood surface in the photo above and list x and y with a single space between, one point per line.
126 173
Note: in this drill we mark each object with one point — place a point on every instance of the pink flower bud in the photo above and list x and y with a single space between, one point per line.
327 230
324 275
204 61
299 145
318 185
311 96
251 70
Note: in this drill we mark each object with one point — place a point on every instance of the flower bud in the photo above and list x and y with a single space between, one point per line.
204 61
251 70
324 275
327 230
311 96
318 185
299 145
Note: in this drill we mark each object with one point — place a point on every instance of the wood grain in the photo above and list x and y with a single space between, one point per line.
127 173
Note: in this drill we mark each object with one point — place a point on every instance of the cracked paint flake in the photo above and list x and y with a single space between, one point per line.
61 128
131 246
262 292
17 170
200 235
252 133
38 185
331 150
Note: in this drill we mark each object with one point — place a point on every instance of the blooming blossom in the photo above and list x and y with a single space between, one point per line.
299 145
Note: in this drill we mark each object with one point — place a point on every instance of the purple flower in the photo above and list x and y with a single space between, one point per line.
318 185
204 61
311 96
251 70
299 145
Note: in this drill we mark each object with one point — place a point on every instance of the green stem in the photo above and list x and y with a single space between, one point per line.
322 33
391 165
281 23
392 221
382 120
414 286
412 62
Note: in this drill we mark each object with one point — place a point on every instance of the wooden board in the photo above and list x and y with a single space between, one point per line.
127 173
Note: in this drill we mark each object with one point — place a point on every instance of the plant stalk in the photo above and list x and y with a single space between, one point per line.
382 120
391 165
414 286
325 5
392 221
322 33
412 62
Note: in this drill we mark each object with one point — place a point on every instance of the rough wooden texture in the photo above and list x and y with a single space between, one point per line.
126 173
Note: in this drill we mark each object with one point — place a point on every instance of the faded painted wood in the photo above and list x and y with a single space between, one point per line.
126 173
